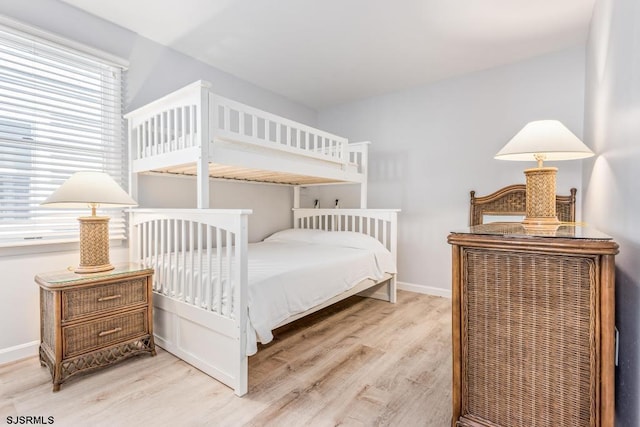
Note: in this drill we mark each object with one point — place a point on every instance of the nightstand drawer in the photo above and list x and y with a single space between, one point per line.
103 332
81 302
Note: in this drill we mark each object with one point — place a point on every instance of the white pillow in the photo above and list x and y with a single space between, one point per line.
352 239
349 239
294 235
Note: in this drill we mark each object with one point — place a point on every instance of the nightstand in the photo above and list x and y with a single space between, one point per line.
90 321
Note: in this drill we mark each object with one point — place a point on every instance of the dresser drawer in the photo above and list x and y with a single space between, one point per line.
84 337
77 303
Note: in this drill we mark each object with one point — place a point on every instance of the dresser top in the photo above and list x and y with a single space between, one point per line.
517 229
68 277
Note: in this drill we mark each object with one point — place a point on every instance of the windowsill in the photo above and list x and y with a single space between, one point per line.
36 247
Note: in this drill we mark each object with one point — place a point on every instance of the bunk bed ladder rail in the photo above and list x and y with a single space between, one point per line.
236 121
358 153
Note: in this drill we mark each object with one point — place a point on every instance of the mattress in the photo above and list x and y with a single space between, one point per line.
293 271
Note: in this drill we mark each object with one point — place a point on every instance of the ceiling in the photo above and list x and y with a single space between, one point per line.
326 52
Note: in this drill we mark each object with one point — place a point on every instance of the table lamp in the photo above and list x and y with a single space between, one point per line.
91 189
539 141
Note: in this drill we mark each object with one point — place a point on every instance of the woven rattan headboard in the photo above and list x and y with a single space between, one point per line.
511 200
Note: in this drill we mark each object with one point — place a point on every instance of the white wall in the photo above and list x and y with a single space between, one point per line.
612 179
153 71
271 203
431 145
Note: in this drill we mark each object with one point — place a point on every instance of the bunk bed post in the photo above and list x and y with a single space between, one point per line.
242 296
363 195
203 127
296 197
364 169
393 283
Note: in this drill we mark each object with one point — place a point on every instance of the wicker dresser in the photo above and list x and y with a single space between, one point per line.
533 327
89 321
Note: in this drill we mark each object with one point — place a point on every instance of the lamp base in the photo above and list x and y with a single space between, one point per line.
96 269
94 244
541 197
542 222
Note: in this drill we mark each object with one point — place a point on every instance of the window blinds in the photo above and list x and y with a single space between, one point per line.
60 112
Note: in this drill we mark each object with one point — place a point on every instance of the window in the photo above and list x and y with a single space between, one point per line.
60 112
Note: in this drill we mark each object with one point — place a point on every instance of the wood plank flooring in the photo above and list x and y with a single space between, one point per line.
361 362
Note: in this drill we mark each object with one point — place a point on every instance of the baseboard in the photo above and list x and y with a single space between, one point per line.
422 289
18 352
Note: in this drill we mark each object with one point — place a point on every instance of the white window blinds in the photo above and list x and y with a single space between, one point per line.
60 112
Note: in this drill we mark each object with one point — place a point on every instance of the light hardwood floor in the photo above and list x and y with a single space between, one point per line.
361 362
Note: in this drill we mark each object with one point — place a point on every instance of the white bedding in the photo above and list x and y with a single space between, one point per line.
295 270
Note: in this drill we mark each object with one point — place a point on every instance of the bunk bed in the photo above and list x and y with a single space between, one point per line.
194 131
215 294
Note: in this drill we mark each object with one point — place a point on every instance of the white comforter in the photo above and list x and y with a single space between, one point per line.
287 276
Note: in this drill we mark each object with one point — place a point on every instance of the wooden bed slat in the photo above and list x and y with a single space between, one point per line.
247 174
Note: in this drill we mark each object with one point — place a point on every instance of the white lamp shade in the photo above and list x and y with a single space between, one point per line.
548 138
84 189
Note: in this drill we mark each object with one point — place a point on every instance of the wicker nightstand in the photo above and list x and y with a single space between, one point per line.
89 321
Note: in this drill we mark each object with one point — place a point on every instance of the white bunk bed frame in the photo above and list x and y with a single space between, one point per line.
193 131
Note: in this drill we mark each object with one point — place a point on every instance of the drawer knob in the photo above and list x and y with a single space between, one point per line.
109 298
109 332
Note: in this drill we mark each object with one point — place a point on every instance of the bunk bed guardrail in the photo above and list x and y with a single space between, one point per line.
178 243
236 121
173 123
